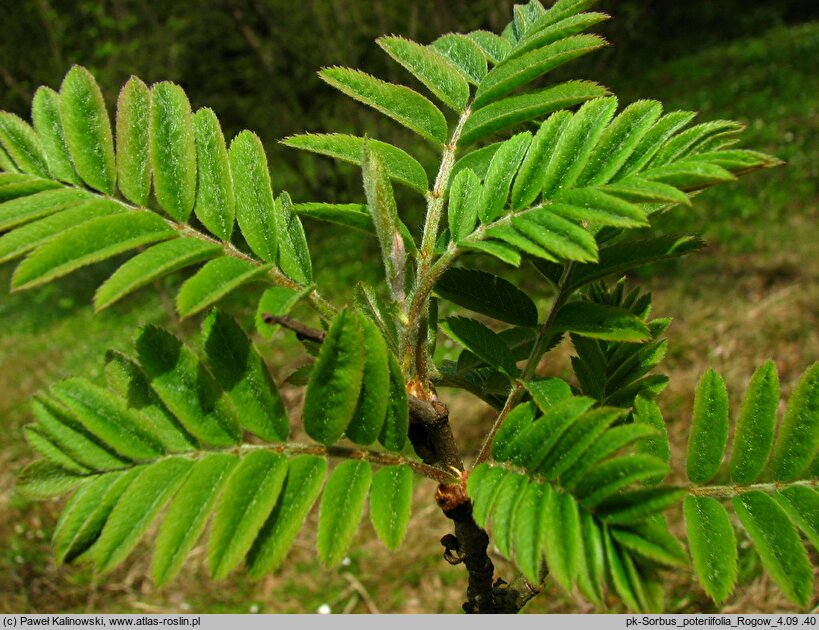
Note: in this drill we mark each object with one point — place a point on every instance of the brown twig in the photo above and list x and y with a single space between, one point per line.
303 331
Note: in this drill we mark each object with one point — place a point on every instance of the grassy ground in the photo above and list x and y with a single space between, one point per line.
751 295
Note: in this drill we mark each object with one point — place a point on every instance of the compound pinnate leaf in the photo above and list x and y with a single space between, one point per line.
133 141
215 204
487 294
798 440
335 382
778 544
712 544
248 499
88 130
709 428
173 150
240 370
390 504
188 514
754 432
254 194
342 506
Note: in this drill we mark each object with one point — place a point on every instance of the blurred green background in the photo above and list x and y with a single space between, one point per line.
751 295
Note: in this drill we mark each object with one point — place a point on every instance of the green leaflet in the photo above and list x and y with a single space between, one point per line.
249 496
23 145
133 141
477 160
237 366
393 435
598 207
653 542
50 451
500 251
531 175
620 569
88 130
514 110
48 123
293 257
400 166
558 236
187 388
335 382
533 445
514 73
26 186
798 440
709 428
510 493
591 573
173 150
400 103
88 243
600 321
498 180
487 294
518 420
615 474
390 504
154 263
87 512
370 304
353 215
689 175
68 435
305 477
801 504
547 392
430 68
188 514
136 508
371 410
638 505
77 511
42 479
754 432
26 209
6 164
576 143
462 207
494 47
577 438
254 195
276 302
556 31
214 281
686 142
384 213
482 485
777 542
527 532
464 54
712 545
215 204
652 141
481 341
341 509
619 258
106 417
562 540
618 141
128 380
646 411
641 190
